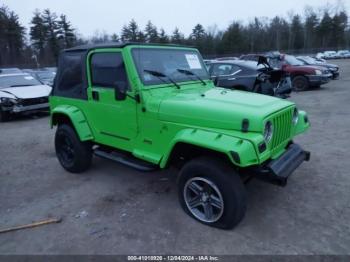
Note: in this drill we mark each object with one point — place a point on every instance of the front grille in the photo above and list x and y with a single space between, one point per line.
34 101
282 125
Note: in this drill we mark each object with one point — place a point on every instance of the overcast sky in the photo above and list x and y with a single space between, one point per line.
110 15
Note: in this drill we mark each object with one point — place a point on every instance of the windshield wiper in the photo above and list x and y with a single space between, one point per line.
161 76
190 73
20 85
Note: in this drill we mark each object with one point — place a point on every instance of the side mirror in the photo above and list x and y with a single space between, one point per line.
120 89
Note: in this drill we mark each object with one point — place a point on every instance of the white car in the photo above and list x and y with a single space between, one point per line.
22 93
330 55
343 54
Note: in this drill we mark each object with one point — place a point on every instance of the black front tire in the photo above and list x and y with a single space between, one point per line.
300 83
74 155
224 179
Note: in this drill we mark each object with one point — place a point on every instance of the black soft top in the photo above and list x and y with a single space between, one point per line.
71 77
89 47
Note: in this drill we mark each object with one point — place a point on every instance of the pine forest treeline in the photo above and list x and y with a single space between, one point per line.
48 33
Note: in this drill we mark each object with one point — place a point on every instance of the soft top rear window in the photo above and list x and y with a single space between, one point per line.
69 80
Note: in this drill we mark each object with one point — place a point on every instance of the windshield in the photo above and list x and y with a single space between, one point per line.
292 60
18 80
250 65
309 60
167 62
46 75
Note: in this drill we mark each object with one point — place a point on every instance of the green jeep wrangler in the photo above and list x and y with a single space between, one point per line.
152 106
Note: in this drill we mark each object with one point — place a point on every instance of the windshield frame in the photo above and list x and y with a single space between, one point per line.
185 79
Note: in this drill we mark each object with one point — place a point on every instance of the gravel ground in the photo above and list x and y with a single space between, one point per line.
113 209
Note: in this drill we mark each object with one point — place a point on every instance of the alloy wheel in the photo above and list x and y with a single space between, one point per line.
203 199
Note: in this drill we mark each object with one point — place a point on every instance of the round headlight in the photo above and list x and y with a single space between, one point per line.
295 116
268 131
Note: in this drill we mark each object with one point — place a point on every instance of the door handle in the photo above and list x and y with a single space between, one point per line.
95 96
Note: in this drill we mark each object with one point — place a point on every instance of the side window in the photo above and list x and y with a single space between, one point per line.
70 75
108 70
275 62
224 69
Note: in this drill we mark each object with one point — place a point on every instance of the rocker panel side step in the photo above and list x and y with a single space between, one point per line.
126 159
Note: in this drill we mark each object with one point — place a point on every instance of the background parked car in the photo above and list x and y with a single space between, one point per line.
46 77
330 55
21 93
249 76
343 54
308 60
226 58
250 57
12 70
321 60
303 76
51 69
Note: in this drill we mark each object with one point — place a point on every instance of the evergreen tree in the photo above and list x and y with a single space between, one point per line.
197 37
66 32
254 34
52 30
115 38
297 33
311 22
198 33
339 24
131 33
151 33
177 37
15 36
38 34
163 37
233 40
140 37
324 30
12 36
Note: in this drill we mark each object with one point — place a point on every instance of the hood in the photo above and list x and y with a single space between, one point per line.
331 65
311 67
320 64
26 92
220 108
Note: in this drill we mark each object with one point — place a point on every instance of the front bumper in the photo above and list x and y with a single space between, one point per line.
335 74
277 171
316 80
20 108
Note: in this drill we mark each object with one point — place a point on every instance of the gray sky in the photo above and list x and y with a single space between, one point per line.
110 15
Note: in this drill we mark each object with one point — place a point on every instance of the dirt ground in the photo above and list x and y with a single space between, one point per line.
113 209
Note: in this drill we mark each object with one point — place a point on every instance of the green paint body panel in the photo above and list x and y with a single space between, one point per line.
204 116
77 118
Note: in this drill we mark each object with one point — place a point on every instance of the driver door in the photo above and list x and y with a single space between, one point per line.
114 122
